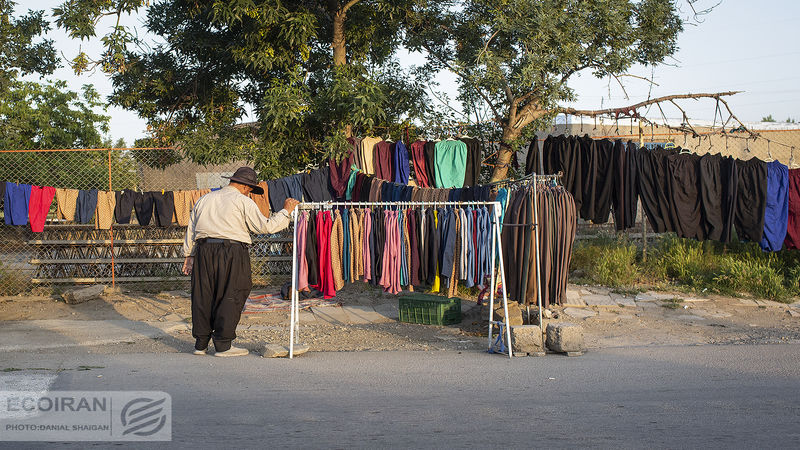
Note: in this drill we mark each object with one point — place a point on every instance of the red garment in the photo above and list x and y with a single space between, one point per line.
340 171
383 161
324 226
39 205
417 151
474 245
793 230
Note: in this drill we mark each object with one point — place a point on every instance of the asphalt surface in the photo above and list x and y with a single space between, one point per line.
709 396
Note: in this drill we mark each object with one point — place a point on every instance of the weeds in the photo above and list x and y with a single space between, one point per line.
672 303
713 267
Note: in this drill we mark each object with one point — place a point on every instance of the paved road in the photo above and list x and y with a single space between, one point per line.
709 396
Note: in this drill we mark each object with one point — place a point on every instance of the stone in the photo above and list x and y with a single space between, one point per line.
793 313
747 302
599 290
627 302
651 296
574 298
280 351
579 313
599 300
547 314
695 299
565 337
83 294
526 339
514 313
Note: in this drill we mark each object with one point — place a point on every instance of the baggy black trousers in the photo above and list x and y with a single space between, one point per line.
221 282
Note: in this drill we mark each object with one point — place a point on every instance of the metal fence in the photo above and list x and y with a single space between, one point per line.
66 253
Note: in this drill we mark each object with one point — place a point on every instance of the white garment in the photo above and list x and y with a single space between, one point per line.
229 214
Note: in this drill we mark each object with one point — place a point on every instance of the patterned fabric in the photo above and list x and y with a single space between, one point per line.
104 212
183 207
336 251
66 200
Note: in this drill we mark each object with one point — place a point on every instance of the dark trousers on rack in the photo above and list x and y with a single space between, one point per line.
221 282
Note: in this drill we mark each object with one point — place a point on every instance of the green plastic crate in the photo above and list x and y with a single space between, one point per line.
430 309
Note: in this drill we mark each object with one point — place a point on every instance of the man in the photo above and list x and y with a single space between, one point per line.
216 254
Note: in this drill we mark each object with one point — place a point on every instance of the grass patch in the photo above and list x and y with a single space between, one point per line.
705 267
672 303
12 282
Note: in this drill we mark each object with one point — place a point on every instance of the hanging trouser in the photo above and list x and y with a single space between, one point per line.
221 282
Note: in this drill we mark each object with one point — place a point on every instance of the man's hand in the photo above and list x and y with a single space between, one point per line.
188 263
290 204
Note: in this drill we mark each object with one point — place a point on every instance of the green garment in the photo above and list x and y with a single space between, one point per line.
351 182
450 164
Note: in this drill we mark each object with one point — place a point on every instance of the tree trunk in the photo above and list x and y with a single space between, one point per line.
505 152
339 47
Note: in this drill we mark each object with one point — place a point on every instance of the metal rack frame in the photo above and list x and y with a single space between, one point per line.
495 251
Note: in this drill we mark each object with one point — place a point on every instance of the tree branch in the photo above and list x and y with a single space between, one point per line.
347 6
467 78
631 111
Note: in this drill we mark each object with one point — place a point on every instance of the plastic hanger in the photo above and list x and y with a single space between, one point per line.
792 163
769 154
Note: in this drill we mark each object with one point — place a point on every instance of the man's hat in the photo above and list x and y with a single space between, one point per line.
246 175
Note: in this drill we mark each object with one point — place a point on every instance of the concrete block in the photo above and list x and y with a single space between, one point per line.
651 296
514 313
579 313
574 298
83 294
599 300
526 339
565 337
280 351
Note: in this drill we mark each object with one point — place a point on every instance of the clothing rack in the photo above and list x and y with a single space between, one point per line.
495 251
536 178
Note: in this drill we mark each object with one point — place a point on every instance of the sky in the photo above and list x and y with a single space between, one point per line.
741 45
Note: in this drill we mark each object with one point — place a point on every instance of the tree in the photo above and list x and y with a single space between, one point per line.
45 115
769 118
515 57
311 71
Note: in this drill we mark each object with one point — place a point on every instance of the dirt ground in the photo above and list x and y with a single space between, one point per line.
687 320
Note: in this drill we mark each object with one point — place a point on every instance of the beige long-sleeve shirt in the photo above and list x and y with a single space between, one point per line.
227 214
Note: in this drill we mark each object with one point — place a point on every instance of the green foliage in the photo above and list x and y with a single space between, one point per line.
522 52
49 116
22 51
702 266
607 261
213 60
768 118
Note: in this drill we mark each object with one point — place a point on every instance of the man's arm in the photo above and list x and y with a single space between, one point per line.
188 244
259 224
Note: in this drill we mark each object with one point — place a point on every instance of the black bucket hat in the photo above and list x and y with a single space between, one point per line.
246 175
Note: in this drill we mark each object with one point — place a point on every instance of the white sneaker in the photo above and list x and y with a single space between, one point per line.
233 351
200 352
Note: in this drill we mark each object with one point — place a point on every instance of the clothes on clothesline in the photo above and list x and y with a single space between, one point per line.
703 197
85 206
442 164
39 205
776 212
394 247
